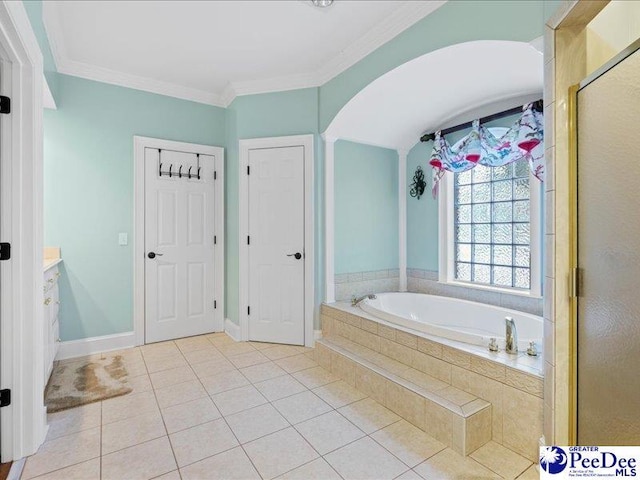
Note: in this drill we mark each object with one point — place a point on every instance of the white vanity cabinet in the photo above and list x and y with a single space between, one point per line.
51 301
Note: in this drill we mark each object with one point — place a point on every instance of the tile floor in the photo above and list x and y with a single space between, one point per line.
210 408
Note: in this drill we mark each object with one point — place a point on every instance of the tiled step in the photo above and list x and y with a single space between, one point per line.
454 417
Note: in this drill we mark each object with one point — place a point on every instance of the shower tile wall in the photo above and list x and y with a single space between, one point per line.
426 281
362 283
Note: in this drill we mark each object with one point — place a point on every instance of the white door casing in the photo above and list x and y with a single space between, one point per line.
303 145
180 292
276 233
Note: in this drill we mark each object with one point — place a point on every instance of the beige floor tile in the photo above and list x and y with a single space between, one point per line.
408 443
501 460
172 376
279 452
409 475
531 473
239 399
89 470
280 387
165 363
175 475
63 452
448 465
262 345
315 377
256 422
128 406
147 460
190 414
139 384
202 441
132 431
74 420
338 394
329 432
191 344
224 381
364 459
296 363
368 415
219 339
135 368
230 465
264 371
180 393
302 406
212 367
236 348
319 469
203 355
282 351
247 359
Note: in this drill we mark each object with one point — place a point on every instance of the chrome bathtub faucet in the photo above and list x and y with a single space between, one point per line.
511 336
356 300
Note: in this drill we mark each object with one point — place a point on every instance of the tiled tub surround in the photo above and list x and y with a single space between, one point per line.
362 283
461 394
426 281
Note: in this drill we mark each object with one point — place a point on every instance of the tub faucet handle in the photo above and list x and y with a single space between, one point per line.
532 351
493 344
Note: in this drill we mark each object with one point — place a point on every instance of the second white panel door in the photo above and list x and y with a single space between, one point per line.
276 245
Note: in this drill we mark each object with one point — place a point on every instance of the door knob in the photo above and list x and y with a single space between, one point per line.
297 255
153 255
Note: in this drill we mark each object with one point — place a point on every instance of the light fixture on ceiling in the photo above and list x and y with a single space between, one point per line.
322 3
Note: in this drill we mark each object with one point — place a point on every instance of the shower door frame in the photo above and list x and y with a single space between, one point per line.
574 279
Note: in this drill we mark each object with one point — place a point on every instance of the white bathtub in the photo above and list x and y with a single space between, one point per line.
461 320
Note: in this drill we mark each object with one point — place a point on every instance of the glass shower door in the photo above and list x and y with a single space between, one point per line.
608 324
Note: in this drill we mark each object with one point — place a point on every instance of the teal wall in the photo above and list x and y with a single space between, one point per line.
293 112
88 196
456 21
366 208
422 214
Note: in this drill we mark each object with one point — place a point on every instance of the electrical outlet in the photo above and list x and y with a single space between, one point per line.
123 239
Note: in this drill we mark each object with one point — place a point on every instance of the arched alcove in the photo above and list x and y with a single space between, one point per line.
439 89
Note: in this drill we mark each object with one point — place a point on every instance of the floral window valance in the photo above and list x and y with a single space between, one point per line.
523 140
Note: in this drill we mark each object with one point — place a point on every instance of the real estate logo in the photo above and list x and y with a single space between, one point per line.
553 460
588 461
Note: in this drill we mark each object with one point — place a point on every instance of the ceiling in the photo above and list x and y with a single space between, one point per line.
442 88
211 51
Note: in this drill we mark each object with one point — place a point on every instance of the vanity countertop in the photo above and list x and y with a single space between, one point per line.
51 257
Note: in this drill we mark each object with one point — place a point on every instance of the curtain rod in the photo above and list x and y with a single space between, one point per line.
537 106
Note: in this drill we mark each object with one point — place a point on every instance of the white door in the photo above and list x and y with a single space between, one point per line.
179 245
276 245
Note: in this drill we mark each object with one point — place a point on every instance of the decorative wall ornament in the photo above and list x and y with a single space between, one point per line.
523 140
419 184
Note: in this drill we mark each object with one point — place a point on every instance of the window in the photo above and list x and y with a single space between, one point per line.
490 228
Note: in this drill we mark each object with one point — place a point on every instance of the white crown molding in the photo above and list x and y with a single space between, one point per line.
113 77
404 17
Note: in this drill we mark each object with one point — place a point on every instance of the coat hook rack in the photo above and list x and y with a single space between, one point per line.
170 173
419 184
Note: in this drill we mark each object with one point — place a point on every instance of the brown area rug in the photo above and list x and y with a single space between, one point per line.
78 382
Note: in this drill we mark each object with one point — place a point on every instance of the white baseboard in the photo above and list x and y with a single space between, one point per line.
16 469
232 329
89 346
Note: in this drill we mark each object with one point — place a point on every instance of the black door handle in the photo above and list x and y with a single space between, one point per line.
297 255
153 255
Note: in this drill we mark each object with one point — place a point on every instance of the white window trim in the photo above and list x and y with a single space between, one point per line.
446 254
